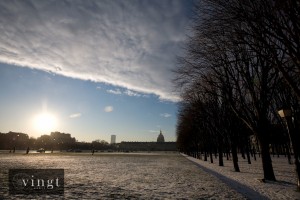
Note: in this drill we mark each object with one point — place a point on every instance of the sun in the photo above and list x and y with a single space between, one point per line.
45 122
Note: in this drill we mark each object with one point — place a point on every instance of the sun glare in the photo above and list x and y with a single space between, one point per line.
45 123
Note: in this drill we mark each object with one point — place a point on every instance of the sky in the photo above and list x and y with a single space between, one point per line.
95 67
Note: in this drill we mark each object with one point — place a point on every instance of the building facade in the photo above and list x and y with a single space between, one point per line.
160 145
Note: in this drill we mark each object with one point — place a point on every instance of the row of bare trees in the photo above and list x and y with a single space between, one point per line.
242 64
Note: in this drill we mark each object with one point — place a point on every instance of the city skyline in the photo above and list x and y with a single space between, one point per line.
91 68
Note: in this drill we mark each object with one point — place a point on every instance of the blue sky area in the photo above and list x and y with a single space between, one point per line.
97 67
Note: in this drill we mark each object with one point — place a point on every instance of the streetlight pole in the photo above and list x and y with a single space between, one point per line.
287 115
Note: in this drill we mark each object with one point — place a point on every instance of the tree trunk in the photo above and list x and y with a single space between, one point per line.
254 154
205 156
211 157
235 158
248 156
221 163
243 153
266 158
287 150
277 148
247 152
273 150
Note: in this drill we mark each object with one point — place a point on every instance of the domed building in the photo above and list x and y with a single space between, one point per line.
159 145
160 137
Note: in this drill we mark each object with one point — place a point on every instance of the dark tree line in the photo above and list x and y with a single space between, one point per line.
242 64
55 141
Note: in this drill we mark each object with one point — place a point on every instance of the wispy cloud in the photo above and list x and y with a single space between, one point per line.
98 88
153 131
131 44
108 109
117 91
126 92
132 94
75 115
166 115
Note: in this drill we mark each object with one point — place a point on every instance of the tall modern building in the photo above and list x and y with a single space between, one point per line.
113 139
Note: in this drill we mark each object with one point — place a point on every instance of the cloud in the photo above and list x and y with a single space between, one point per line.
131 44
108 109
132 94
75 115
153 131
98 88
126 92
166 115
117 91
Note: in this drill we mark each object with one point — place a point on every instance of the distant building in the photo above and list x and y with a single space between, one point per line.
160 137
147 146
113 139
160 145
62 137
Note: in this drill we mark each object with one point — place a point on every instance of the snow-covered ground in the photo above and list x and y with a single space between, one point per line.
247 181
122 176
153 176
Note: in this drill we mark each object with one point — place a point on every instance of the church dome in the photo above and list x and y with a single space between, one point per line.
160 137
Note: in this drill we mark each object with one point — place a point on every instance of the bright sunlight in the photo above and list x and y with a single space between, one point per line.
45 122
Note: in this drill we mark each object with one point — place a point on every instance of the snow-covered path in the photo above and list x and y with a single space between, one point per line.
247 181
